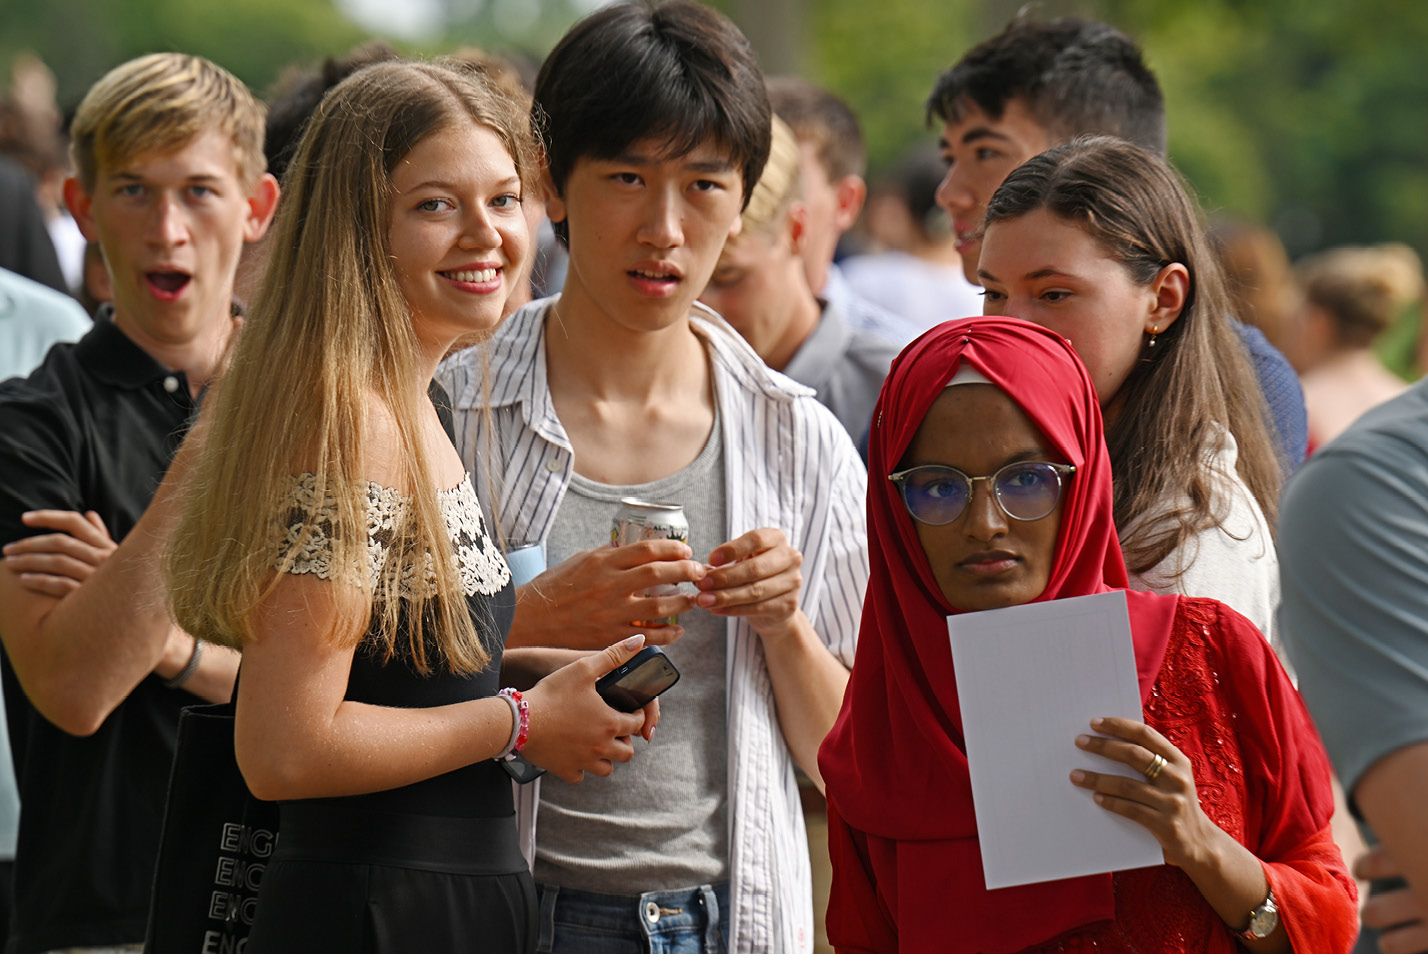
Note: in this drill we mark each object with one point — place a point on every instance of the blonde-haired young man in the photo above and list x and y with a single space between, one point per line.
172 185
761 288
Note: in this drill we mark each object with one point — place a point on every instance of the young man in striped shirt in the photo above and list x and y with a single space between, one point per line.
656 127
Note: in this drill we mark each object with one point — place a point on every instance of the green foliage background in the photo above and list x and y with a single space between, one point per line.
1305 114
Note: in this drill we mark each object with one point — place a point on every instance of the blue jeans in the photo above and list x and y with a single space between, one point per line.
687 921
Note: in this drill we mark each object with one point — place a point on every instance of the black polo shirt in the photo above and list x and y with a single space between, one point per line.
92 428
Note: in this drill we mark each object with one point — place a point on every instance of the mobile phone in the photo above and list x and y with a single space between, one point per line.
633 685
521 770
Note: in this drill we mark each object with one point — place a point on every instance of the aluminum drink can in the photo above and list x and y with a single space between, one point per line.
638 520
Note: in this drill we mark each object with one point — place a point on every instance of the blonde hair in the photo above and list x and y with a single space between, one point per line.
778 185
1362 289
327 327
161 102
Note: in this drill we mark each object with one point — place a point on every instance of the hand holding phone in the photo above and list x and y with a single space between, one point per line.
636 684
625 688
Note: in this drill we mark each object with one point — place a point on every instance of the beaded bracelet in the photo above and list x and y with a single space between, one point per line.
520 723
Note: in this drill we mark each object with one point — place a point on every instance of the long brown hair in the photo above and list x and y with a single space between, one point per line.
1197 376
328 329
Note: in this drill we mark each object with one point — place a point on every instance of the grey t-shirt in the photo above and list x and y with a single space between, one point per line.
1353 552
661 821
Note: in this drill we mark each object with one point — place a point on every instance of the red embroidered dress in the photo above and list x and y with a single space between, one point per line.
1224 702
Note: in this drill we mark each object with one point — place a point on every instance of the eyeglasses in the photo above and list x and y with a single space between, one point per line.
937 495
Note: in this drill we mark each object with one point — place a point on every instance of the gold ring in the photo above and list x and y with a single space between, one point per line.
1153 770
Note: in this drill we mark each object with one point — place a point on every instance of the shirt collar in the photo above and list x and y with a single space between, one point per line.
113 357
520 344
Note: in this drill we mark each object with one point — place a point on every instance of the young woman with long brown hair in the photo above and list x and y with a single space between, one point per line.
1099 241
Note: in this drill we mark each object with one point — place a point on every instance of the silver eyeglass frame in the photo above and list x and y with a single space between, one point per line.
1063 473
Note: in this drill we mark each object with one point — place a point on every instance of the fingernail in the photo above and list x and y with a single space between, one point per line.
1078 776
1097 723
635 641
1083 740
706 599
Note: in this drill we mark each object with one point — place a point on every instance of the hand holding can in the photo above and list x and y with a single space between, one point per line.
639 520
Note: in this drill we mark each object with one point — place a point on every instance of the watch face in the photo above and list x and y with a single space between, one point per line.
1264 920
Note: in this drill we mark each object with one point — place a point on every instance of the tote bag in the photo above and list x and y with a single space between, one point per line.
216 842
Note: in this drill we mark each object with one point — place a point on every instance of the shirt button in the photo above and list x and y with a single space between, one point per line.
652 912
553 464
171 384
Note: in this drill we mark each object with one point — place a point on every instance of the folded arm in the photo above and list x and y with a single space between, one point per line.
85 620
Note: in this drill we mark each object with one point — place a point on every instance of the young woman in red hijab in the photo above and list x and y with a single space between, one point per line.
1236 784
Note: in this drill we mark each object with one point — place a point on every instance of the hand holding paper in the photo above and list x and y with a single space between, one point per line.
1165 804
1030 678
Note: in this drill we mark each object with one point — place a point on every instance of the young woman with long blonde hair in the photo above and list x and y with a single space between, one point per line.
330 531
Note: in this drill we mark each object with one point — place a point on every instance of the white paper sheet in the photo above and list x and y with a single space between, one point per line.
1030 679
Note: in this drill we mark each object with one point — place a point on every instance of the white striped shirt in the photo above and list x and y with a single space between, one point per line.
790 465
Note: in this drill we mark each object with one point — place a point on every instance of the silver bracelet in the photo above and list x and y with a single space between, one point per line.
192 667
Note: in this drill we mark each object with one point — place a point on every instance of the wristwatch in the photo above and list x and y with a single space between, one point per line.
1263 919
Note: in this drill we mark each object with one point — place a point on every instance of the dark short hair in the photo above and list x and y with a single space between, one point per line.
676 72
818 116
1076 77
297 92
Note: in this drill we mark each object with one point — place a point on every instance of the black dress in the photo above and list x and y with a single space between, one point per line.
431 867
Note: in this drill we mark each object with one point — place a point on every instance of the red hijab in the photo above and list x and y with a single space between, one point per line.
894 763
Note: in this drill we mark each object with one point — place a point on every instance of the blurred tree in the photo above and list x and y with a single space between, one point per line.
1304 114
883 59
82 39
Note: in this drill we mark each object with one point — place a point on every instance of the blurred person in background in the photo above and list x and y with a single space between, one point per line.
1354 561
914 270
33 317
759 286
32 134
1259 278
25 245
833 160
1351 296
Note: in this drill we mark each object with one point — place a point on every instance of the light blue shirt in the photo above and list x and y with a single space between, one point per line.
33 317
